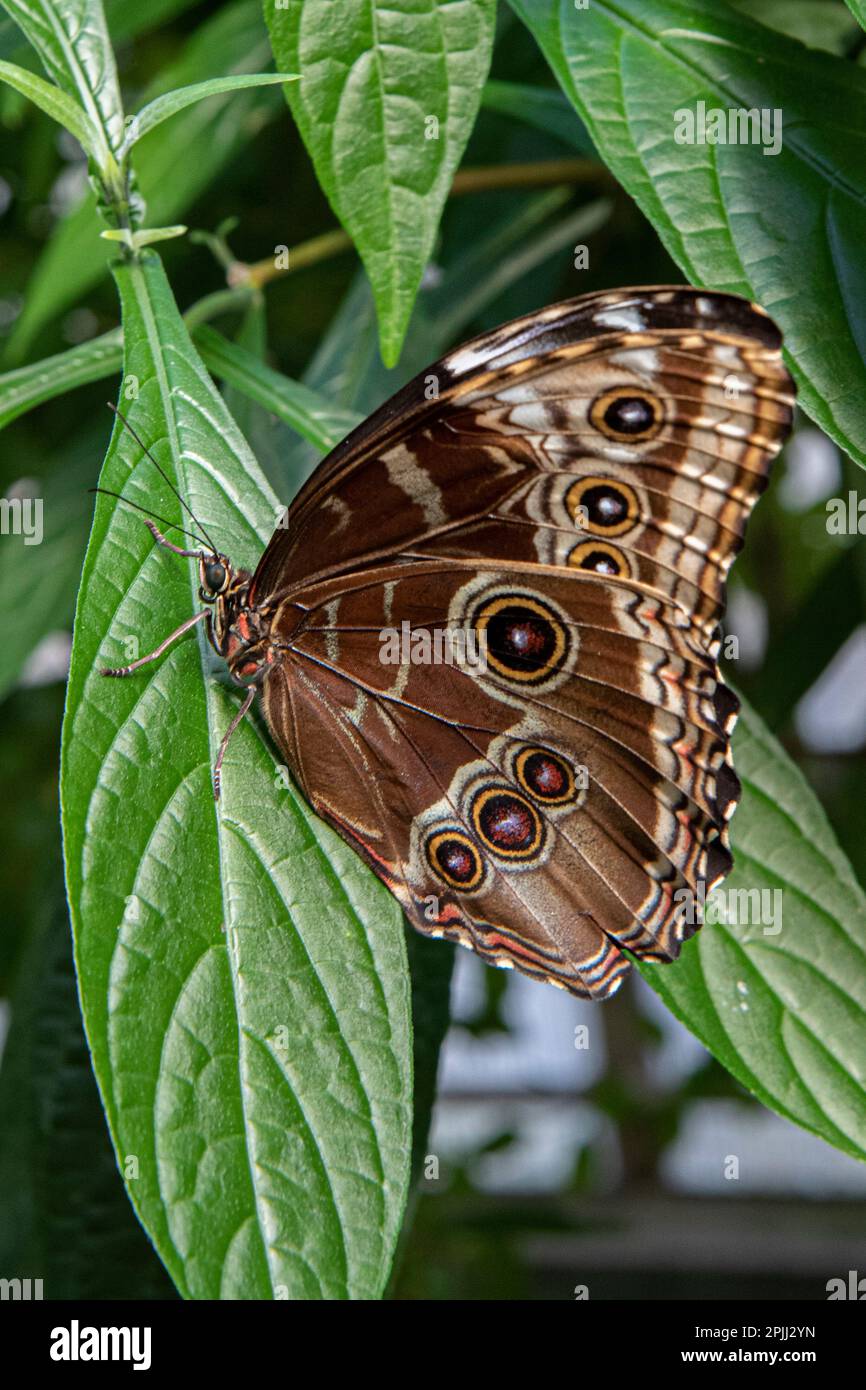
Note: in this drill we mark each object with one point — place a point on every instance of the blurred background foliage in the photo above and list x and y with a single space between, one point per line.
552 1172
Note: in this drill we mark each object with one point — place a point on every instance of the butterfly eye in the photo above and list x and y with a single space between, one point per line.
214 576
627 415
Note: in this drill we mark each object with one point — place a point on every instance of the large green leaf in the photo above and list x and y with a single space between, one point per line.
785 229
243 976
387 99
780 998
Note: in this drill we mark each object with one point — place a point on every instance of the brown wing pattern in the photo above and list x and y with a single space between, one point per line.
571 502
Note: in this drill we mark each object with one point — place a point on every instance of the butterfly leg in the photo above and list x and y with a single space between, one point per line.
251 695
158 651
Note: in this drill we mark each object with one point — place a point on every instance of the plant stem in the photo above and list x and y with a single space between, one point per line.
542 175
484 178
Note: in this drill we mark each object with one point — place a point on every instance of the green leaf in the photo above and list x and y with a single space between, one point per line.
242 974
733 217
53 102
26 387
858 10
72 40
159 110
304 410
386 103
173 165
784 1010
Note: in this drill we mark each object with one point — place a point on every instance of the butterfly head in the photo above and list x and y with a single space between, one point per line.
215 574
233 627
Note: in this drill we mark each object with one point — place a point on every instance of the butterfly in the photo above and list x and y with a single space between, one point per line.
486 642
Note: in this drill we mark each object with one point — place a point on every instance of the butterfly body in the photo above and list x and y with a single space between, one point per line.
568 492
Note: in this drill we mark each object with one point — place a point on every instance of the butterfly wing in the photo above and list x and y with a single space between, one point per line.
545 809
571 502
475 455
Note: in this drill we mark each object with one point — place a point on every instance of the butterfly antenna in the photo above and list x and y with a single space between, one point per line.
140 442
170 525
